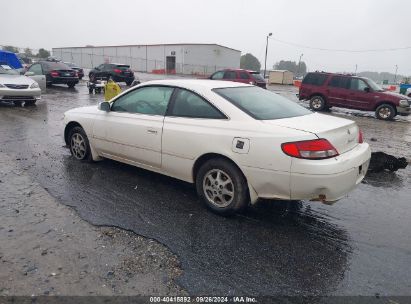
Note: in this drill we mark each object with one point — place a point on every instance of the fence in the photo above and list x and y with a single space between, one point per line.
89 61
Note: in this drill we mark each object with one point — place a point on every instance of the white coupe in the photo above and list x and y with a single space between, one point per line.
236 142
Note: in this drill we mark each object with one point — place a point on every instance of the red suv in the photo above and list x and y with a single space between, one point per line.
239 75
325 90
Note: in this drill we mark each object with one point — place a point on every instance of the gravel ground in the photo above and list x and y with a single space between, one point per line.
46 249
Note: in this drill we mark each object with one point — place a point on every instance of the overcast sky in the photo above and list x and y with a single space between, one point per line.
240 24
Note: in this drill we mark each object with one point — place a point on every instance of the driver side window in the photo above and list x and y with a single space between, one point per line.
146 100
36 69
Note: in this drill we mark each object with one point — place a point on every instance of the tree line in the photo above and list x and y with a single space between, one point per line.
42 53
250 62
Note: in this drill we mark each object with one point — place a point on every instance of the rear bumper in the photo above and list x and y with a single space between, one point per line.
330 179
119 78
63 80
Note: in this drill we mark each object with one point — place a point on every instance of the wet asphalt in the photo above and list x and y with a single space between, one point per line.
359 246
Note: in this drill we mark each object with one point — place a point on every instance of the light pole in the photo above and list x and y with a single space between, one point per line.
299 62
356 66
266 50
395 77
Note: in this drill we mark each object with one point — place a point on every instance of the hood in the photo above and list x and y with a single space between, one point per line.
341 133
83 110
397 95
15 79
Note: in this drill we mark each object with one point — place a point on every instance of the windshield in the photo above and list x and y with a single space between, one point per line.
5 69
373 85
257 76
56 66
122 67
262 104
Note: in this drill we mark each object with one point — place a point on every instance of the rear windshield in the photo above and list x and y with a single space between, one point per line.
261 104
56 66
315 79
122 66
257 76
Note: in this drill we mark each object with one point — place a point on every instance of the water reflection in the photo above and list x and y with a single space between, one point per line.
273 248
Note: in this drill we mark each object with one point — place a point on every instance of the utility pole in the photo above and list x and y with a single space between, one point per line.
395 77
299 63
356 66
266 50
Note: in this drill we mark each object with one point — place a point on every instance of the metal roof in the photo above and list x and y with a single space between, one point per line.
144 45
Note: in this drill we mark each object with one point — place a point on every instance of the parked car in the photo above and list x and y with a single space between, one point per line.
55 72
17 88
118 72
80 71
325 90
239 75
235 142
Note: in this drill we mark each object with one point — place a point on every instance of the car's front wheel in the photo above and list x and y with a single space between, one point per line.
222 186
317 103
71 85
79 144
385 112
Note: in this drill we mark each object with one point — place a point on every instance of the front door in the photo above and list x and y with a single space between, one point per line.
133 128
35 72
359 95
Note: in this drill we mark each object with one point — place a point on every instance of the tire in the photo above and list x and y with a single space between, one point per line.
129 83
90 91
385 112
317 103
217 176
17 103
79 144
71 85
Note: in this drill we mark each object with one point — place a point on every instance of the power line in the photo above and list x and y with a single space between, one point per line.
340 50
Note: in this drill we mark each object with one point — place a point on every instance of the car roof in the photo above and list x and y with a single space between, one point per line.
240 70
197 83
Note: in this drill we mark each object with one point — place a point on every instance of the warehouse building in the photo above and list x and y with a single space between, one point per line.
193 59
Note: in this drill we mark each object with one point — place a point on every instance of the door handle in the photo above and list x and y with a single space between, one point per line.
151 131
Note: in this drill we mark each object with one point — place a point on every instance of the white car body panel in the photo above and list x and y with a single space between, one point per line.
171 145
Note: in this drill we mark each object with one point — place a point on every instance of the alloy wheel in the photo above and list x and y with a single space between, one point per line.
384 112
218 188
78 146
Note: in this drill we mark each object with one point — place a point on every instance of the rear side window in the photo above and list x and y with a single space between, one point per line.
315 79
339 82
191 105
261 104
230 75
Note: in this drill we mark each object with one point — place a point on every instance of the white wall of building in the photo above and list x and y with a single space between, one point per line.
202 59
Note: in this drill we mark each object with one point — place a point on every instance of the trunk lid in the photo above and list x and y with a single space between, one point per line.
341 133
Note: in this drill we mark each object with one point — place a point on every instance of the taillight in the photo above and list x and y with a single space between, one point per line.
310 149
54 73
117 71
360 139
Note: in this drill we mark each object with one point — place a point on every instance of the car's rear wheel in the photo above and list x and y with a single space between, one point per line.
385 112
317 103
17 103
222 186
128 83
79 144
71 85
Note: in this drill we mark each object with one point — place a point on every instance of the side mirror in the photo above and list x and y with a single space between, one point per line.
96 68
29 74
104 106
367 89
